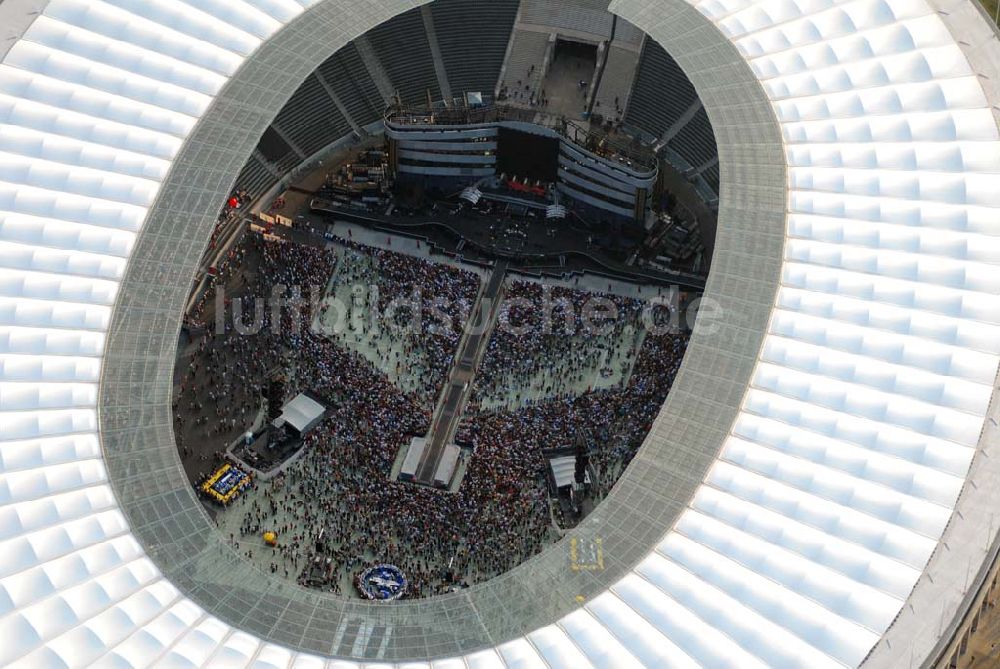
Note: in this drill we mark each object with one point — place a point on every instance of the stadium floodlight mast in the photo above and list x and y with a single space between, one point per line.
807 471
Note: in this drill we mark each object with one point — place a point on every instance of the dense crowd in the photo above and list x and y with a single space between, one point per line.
551 340
340 489
340 495
614 420
235 346
416 316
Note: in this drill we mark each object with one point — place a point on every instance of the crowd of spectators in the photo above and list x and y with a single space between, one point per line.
338 501
553 341
339 492
417 314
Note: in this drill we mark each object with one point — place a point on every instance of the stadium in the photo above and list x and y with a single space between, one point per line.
800 476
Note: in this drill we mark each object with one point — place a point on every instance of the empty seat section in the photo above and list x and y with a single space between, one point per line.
347 75
254 178
528 49
273 148
662 93
695 141
402 48
472 37
616 82
311 119
628 35
711 176
583 16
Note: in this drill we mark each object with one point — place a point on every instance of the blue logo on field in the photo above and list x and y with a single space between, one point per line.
383 582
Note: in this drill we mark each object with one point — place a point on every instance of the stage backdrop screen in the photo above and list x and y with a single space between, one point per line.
525 155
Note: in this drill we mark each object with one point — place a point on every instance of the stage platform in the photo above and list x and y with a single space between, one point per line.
525 244
446 467
443 474
414 452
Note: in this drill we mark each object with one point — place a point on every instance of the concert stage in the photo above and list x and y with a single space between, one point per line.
272 447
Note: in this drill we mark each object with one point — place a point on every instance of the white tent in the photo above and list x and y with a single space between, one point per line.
412 459
302 413
564 470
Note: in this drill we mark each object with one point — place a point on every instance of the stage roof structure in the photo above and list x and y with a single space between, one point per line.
302 412
563 470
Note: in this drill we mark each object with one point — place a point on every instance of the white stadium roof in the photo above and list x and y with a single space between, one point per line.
828 500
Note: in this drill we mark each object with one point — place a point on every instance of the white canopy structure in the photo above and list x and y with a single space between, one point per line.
414 452
563 470
302 412
857 436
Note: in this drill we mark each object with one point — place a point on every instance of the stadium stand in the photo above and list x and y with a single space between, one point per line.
627 35
440 70
694 141
528 50
473 54
581 16
255 178
660 104
616 82
473 51
273 147
411 69
711 177
846 515
375 68
311 118
346 74
661 93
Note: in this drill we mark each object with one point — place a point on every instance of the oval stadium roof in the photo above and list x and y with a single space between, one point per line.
795 503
